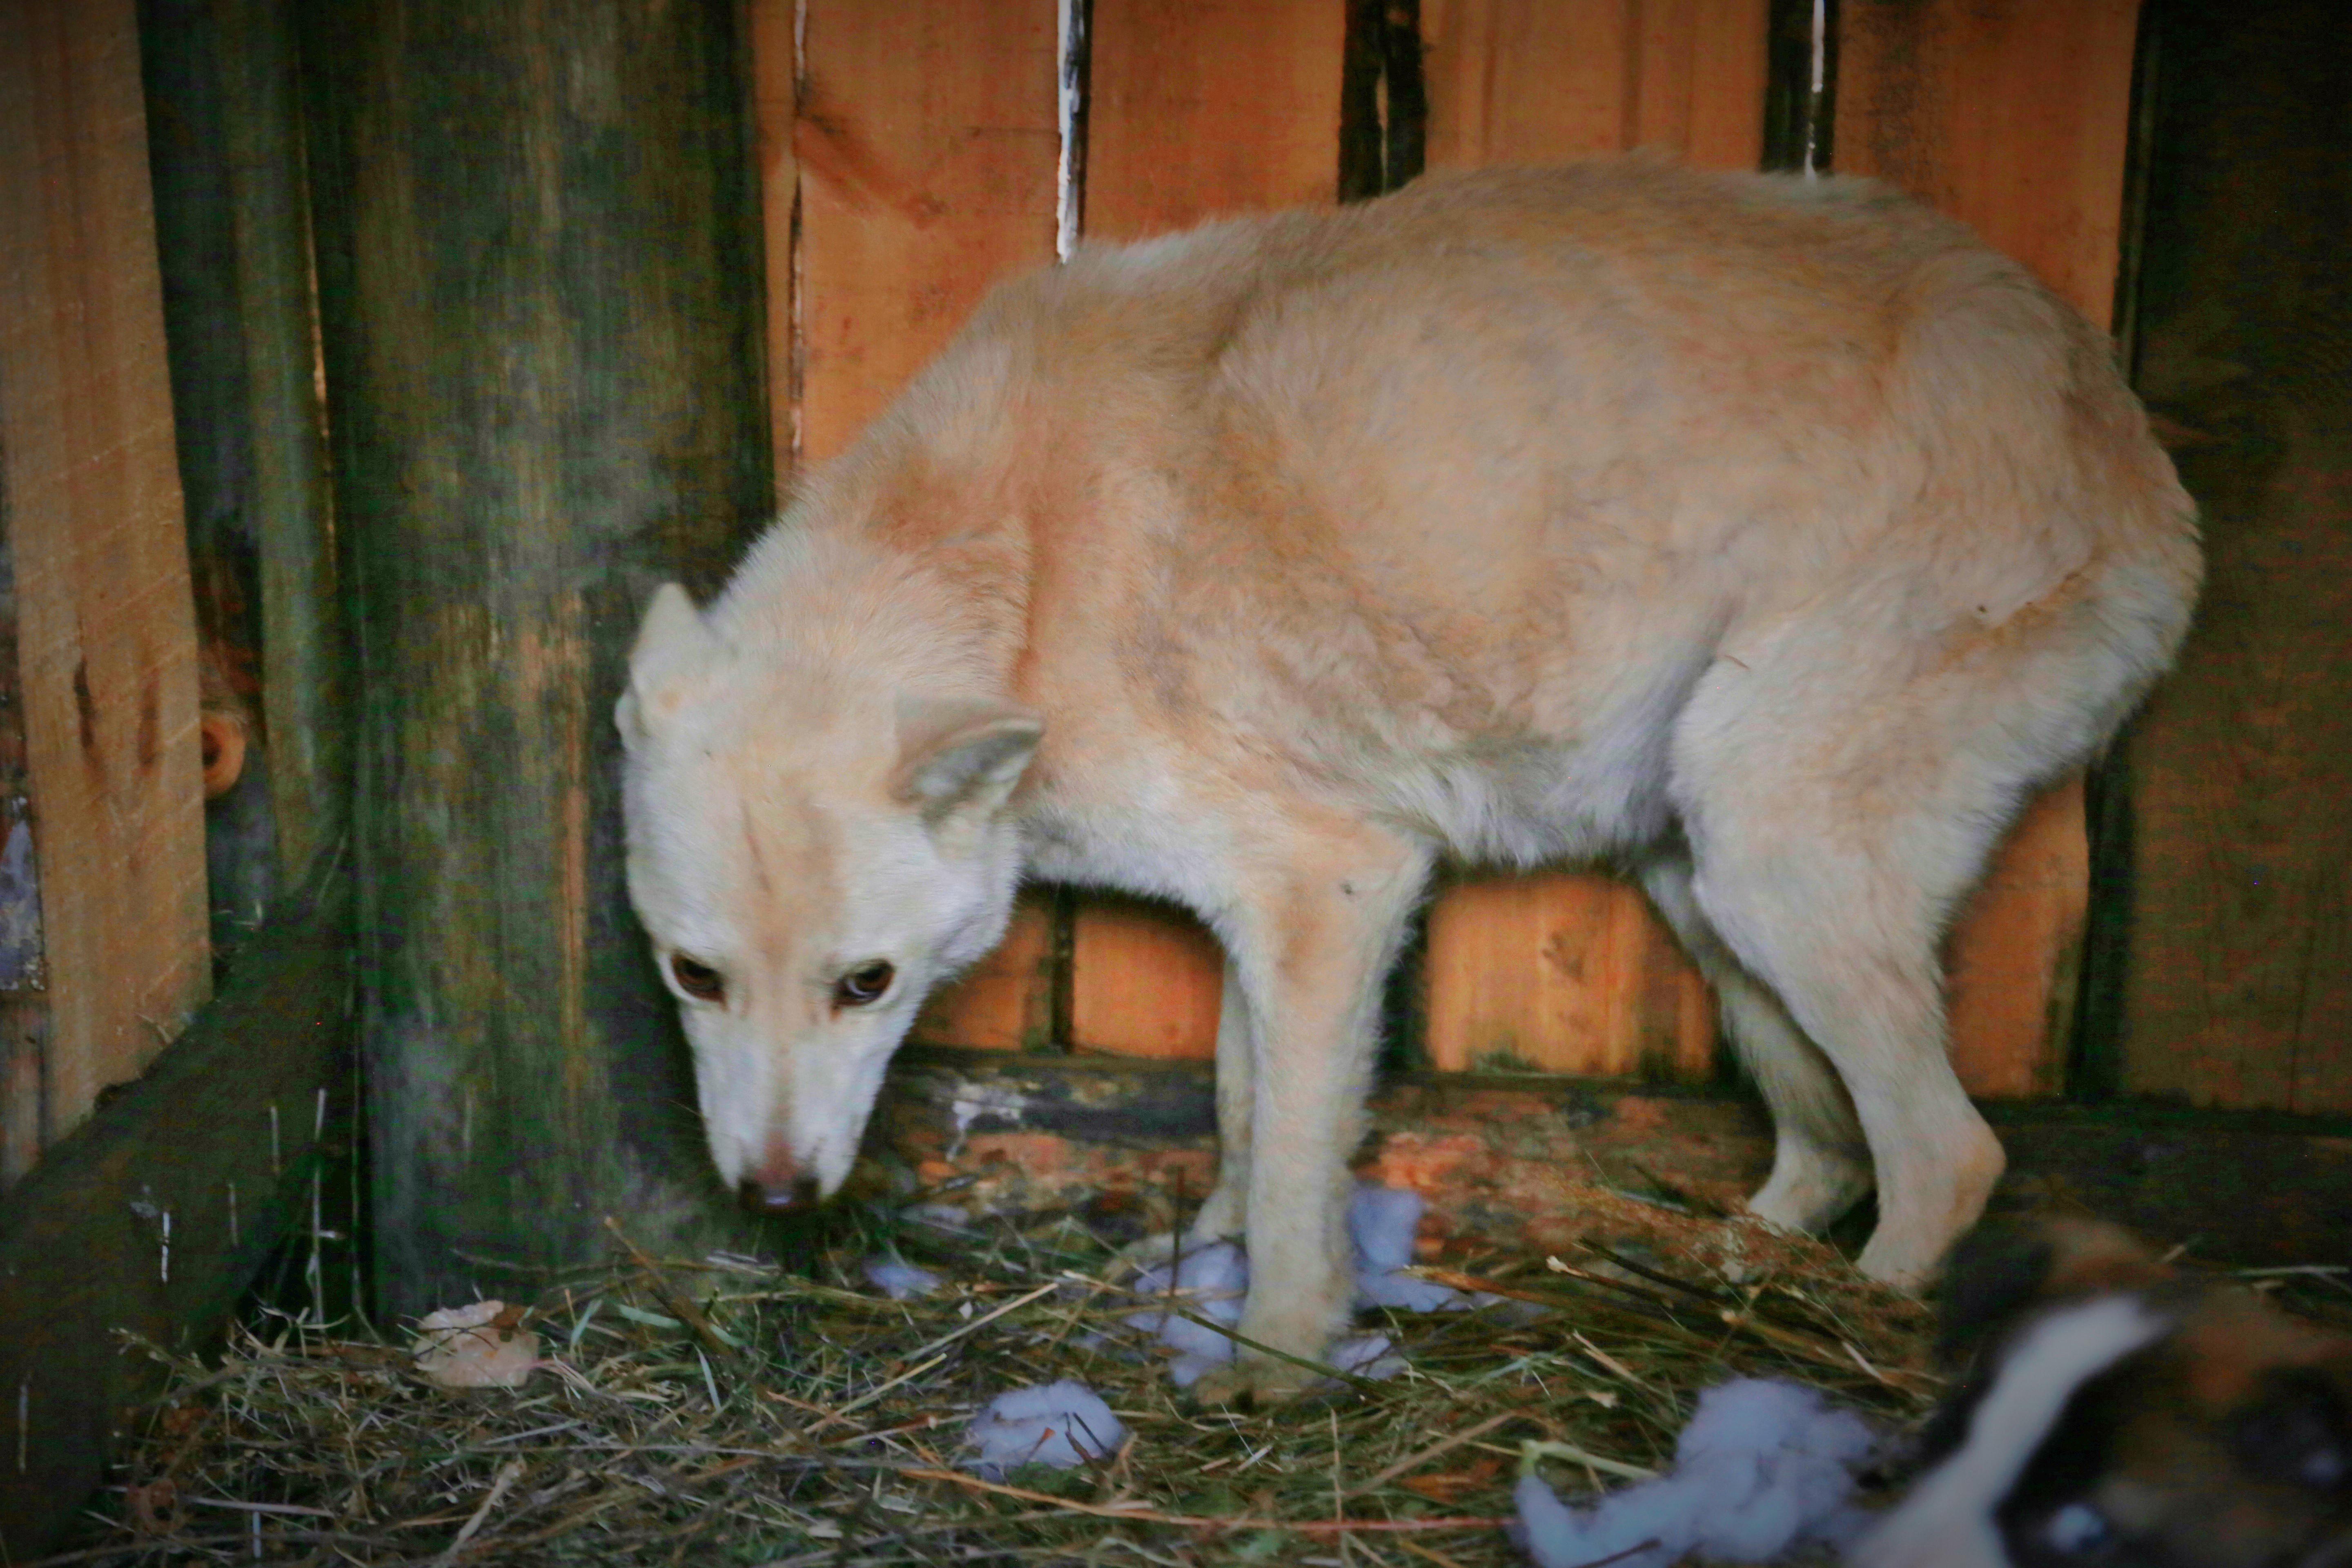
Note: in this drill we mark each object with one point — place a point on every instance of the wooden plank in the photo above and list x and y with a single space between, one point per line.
1193 110
106 637
1537 1162
530 433
1006 1002
1571 972
305 676
1202 107
928 142
1562 973
929 137
218 1138
2239 979
1145 980
1517 81
2014 117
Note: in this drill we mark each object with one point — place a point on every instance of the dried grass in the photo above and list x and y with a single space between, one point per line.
731 1410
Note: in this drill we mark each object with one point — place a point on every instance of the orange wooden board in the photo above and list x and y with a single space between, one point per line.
2013 116
928 140
1006 1002
106 627
1202 107
1516 81
1146 979
920 168
1532 972
1194 109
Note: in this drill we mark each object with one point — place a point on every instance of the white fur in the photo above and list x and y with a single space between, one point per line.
1775 541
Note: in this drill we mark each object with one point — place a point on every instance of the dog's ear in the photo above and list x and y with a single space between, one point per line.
2296 1429
959 758
1992 1274
2002 1268
673 641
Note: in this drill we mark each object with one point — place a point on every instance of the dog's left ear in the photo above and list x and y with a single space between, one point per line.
961 758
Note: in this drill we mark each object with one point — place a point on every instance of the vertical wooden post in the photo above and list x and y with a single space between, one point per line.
104 628
925 140
2013 116
305 683
538 256
1194 111
1571 972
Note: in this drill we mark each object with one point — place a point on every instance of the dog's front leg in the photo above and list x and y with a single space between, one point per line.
1311 957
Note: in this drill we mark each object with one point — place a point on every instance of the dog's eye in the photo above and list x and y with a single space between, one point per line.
863 985
2076 1528
698 979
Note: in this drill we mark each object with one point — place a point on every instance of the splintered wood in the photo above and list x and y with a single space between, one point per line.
105 629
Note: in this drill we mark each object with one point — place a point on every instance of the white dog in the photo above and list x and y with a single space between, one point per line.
1774 539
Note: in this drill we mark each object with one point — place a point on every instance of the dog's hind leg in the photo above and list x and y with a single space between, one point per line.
1839 804
1821 1161
1226 1211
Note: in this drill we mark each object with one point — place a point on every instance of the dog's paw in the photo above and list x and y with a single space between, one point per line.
1256 1383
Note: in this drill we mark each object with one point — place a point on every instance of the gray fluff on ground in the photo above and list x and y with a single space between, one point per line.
1059 1424
1764 1467
1211 1281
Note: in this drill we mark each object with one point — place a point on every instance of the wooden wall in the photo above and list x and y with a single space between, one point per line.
916 160
2238 958
103 951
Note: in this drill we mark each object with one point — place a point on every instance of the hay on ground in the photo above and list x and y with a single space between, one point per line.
726 1410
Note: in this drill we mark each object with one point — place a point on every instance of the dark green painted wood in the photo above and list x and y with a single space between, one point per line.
216 1136
540 291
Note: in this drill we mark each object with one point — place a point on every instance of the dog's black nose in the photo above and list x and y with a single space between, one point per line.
780 1197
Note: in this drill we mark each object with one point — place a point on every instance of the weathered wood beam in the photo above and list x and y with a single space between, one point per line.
538 264
156 1213
1535 1161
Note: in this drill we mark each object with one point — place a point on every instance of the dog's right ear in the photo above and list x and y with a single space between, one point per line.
673 641
1993 1273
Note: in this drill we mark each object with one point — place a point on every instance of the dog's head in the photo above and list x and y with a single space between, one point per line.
811 849
2113 1412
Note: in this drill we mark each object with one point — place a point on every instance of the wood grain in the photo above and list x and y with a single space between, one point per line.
1518 81
1194 109
2239 978
1006 1002
1570 971
105 623
1202 107
2014 117
529 434
1145 980
1562 973
927 140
